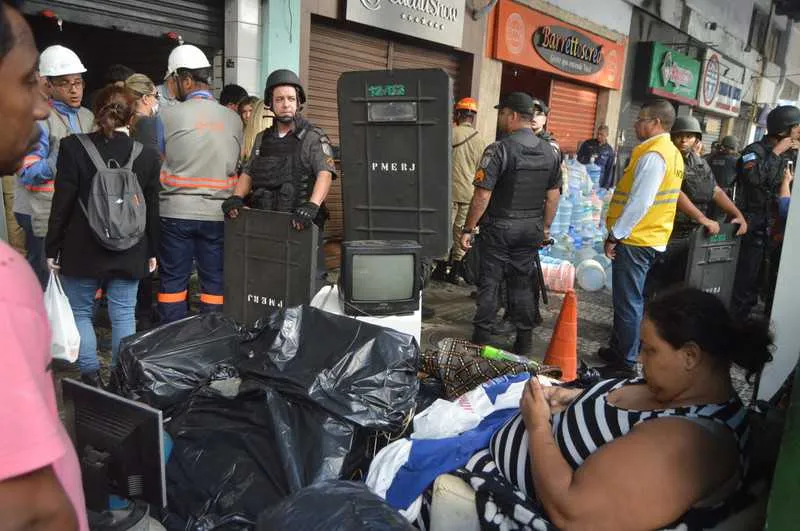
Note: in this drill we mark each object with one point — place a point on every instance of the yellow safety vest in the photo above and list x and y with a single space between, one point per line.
655 227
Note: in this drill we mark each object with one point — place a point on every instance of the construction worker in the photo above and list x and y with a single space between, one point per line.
468 146
516 191
203 142
759 173
62 70
291 167
699 193
723 164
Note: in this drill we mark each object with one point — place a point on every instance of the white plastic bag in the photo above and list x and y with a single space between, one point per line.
66 340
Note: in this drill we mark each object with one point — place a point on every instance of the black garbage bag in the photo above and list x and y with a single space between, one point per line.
364 373
234 458
333 506
163 366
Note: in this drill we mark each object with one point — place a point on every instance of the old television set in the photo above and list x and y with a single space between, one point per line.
380 277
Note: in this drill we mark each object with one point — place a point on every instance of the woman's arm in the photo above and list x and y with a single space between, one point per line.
64 197
644 480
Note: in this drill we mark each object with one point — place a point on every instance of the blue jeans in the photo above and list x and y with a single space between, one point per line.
34 249
121 297
184 242
628 274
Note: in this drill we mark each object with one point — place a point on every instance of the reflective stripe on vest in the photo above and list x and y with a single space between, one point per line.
198 182
654 229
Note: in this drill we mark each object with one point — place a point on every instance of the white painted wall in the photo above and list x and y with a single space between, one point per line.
612 14
243 43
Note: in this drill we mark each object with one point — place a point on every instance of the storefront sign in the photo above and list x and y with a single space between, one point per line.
673 75
568 50
440 21
527 37
721 85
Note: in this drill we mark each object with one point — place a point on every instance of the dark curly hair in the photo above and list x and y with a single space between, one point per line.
689 315
113 107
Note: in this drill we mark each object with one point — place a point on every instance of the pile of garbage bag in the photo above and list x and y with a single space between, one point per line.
257 415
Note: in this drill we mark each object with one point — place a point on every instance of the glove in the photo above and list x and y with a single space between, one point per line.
234 202
304 215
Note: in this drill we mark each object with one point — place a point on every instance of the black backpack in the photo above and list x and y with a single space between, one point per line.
116 210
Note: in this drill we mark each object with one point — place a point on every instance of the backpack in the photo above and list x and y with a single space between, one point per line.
116 210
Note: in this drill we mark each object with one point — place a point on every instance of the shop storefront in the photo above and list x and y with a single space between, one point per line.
138 33
560 63
719 96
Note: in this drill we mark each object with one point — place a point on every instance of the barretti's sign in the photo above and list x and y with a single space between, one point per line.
721 85
527 37
440 21
568 50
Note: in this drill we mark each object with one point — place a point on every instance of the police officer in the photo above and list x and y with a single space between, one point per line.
759 172
517 188
291 166
699 192
723 164
541 113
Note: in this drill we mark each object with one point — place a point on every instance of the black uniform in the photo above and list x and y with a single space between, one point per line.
519 170
284 171
724 167
759 173
669 268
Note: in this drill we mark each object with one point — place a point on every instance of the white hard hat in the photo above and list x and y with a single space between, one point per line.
59 61
186 56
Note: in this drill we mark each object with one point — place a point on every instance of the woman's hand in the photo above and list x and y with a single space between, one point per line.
559 397
534 406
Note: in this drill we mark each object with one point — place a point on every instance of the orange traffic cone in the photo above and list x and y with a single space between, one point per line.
563 349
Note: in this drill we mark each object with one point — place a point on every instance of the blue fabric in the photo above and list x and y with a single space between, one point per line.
498 386
34 249
628 274
200 95
182 243
39 172
161 136
431 458
783 207
121 297
70 113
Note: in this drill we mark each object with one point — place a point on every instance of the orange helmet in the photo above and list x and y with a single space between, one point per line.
467 104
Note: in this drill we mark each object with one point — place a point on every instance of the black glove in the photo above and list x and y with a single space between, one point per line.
232 203
305 214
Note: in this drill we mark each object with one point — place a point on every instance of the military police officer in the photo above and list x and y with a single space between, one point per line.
723 164
699 193
517 188
291 166
759 172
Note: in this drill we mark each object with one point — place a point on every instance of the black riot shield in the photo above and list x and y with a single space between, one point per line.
712 261
268 264
395 130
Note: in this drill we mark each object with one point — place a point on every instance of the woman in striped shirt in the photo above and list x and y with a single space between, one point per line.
660 452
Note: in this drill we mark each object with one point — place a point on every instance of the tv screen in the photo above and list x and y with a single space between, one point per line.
383 277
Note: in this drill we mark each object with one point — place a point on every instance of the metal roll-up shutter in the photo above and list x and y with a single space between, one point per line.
408 56
353 51
572 113
199 22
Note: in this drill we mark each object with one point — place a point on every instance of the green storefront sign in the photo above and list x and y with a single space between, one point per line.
673 75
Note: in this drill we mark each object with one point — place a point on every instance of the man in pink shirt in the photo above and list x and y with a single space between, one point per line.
40 480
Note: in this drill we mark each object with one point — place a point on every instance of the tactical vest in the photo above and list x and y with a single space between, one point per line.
698 185
521 190
724 168
280 179
41 195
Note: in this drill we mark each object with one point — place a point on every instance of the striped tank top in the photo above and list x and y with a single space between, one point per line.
590 421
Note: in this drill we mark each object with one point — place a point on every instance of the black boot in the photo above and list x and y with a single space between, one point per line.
454 275
92 378
523 346
503 327
439 271
481 337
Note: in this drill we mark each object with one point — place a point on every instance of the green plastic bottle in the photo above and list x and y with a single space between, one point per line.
493 353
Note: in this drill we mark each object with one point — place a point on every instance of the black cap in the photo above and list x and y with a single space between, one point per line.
542 105
517 102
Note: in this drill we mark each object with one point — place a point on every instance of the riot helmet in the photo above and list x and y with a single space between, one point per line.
283 77
781 119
